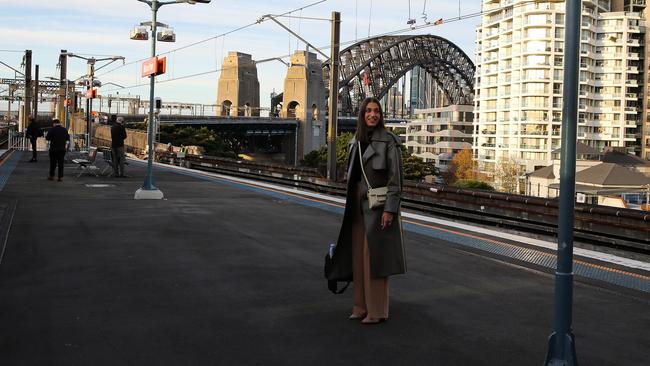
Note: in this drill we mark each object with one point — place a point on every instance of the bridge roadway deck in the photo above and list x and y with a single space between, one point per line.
223 273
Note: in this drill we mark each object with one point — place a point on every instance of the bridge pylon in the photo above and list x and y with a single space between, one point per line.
238 90
304 100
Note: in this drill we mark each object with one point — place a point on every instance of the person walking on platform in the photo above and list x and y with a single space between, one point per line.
370 239
33 133
118 135
58 137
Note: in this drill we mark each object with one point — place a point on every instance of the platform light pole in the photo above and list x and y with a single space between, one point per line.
561 343
148 189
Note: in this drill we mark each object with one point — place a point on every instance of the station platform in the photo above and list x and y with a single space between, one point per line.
226 271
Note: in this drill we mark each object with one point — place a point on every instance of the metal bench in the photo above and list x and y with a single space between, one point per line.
87 166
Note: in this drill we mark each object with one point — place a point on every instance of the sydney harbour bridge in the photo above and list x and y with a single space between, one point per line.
371 67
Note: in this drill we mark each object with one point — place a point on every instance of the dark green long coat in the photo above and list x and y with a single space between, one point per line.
382 162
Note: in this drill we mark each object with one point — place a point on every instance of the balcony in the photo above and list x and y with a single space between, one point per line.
534 133
532 147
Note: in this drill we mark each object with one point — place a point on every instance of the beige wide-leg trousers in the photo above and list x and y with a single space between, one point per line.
370 294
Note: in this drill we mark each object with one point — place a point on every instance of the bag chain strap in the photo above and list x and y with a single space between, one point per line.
361 162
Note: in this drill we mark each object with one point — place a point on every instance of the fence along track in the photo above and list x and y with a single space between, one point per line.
605 226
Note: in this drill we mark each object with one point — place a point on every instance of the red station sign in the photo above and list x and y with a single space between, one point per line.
154 66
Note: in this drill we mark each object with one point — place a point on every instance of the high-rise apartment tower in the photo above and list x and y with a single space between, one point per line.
519 60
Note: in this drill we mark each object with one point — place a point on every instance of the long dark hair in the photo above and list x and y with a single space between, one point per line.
362 129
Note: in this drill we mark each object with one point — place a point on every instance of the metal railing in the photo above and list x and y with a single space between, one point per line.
17 140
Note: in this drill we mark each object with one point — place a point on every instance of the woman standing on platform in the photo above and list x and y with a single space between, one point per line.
370 239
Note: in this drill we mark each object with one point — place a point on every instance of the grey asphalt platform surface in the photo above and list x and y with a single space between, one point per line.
220 274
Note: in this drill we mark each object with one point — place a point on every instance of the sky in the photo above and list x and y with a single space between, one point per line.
100 28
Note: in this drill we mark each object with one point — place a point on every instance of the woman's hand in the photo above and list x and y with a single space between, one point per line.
386 219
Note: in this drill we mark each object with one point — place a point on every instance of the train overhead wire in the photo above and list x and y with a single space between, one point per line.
216 36
346 43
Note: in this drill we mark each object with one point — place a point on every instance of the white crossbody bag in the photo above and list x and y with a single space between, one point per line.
376 196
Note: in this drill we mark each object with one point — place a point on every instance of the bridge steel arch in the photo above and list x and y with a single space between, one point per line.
383 60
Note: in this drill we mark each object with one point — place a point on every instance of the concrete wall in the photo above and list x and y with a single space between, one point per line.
136 141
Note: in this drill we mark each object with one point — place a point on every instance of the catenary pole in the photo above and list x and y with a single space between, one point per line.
332 122
561 343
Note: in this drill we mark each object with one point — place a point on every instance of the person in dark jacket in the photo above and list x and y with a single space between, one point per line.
370 243
33 133
118 135
58 137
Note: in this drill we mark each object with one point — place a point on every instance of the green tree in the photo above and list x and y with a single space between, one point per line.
415 168
318 158
476 184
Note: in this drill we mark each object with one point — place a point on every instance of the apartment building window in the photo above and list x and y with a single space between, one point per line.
536 60
537 33
535 88
536 46
584 75
537 102
534 74
559 18
534 115
557 102
536 19
525 155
